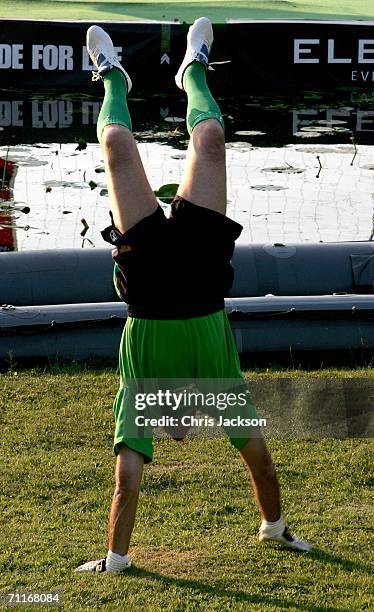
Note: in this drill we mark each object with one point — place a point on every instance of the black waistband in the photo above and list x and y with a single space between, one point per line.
174 311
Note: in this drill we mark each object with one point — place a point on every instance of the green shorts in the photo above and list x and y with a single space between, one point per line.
197 348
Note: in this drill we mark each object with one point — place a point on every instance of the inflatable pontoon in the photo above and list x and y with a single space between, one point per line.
294 297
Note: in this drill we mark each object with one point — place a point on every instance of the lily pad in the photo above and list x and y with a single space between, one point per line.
268 187
249 133
312 95
12 206
167 192
330 123
284 170
341 150
239 146
307 134
317 128
30 162
174 119
341 130
275 212
74 184
82 144
325 130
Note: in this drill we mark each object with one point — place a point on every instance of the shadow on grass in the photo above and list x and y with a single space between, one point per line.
345 564
222 591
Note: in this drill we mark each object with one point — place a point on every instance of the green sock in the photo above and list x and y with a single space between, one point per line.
200 103
114 108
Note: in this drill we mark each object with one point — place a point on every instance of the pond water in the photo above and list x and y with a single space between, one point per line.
299 169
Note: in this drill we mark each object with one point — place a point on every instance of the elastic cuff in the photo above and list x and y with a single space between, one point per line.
203 117
132 444
110 121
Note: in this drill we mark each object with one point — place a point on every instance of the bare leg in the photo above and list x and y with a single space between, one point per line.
204 179
130 195
129 472
264 480
131 199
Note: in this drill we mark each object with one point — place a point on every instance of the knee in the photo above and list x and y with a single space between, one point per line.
210 139
126 489
116 140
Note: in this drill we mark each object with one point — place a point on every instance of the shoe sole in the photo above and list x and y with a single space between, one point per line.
273 542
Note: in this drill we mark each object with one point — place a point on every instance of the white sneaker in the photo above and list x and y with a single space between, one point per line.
199 43
285 537
101 51
99 566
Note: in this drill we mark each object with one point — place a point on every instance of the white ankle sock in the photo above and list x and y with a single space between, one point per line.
117 563
275 528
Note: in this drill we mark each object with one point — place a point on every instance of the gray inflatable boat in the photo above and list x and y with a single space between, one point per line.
294 297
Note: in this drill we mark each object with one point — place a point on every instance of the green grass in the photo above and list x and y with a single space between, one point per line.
217 10
194 545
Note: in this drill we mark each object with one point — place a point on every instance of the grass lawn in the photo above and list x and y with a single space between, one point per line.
194 545
217 10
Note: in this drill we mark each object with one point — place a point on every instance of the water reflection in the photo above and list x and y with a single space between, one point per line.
299 168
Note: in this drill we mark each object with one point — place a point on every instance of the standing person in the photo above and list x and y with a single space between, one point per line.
174 274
